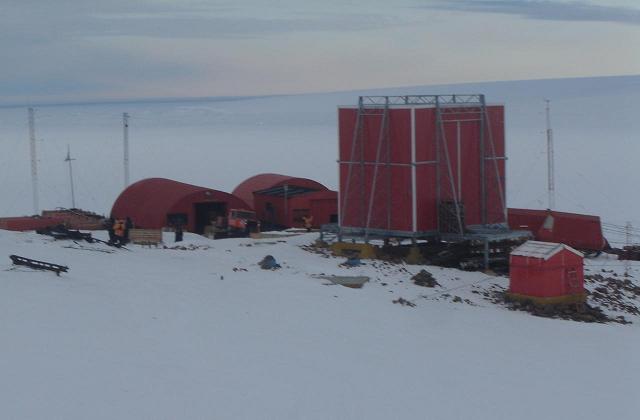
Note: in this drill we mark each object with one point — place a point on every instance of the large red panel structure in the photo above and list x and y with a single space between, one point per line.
579 231
546 270
157 202
421 165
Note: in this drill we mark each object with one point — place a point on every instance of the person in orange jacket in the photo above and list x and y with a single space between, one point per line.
118 231
308 222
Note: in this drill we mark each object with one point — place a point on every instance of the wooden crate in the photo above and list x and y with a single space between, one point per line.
145 236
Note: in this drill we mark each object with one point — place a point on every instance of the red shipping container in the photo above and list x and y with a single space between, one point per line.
579 231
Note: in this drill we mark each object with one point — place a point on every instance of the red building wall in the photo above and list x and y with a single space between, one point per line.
246 189
320 204
77 219
261 204
393 186
28 223
560 275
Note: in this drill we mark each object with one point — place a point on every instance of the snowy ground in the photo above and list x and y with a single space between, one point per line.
203 332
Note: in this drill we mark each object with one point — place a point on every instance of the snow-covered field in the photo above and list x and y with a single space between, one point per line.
204 333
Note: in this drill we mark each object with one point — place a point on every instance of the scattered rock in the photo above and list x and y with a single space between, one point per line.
404 302
351 262
576 312
616 294
269 263
425 279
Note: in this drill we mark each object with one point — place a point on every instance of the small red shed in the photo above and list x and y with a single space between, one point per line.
546 272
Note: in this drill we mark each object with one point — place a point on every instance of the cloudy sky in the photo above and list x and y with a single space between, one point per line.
84 50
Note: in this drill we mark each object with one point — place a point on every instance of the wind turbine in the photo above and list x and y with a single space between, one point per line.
69 159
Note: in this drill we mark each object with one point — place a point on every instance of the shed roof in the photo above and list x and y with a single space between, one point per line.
542 250
273 184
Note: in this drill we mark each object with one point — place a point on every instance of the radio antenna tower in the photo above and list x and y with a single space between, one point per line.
550 169
69 159
125 128
34 161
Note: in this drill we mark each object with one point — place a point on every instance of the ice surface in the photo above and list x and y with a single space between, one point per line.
203 332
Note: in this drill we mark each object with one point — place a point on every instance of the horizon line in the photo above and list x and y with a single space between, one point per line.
225 98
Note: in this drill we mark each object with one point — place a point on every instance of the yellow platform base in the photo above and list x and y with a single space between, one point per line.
415 257
345 249
555 300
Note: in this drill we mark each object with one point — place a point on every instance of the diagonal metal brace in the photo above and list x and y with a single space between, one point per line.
38 265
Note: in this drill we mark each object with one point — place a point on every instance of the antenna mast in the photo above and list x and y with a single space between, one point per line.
69 159
125 128
34 160
550 169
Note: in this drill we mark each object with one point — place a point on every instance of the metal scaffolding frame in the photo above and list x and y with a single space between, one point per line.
473 106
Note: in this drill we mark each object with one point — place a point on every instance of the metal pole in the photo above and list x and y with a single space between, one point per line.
438 164
483 179
414 192
374 183
389 186
550 169
627 231
69 159
352 157
494 158
286 204
459 160
125 135
34 161
486 253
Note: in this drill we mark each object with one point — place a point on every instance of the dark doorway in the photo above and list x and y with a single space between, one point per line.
208 214
177 219
269 214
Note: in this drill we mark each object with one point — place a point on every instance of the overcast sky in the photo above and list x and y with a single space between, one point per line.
76 50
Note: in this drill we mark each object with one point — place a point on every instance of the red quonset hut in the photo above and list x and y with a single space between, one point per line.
546 273
154 203
419 166
282 201
580 231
